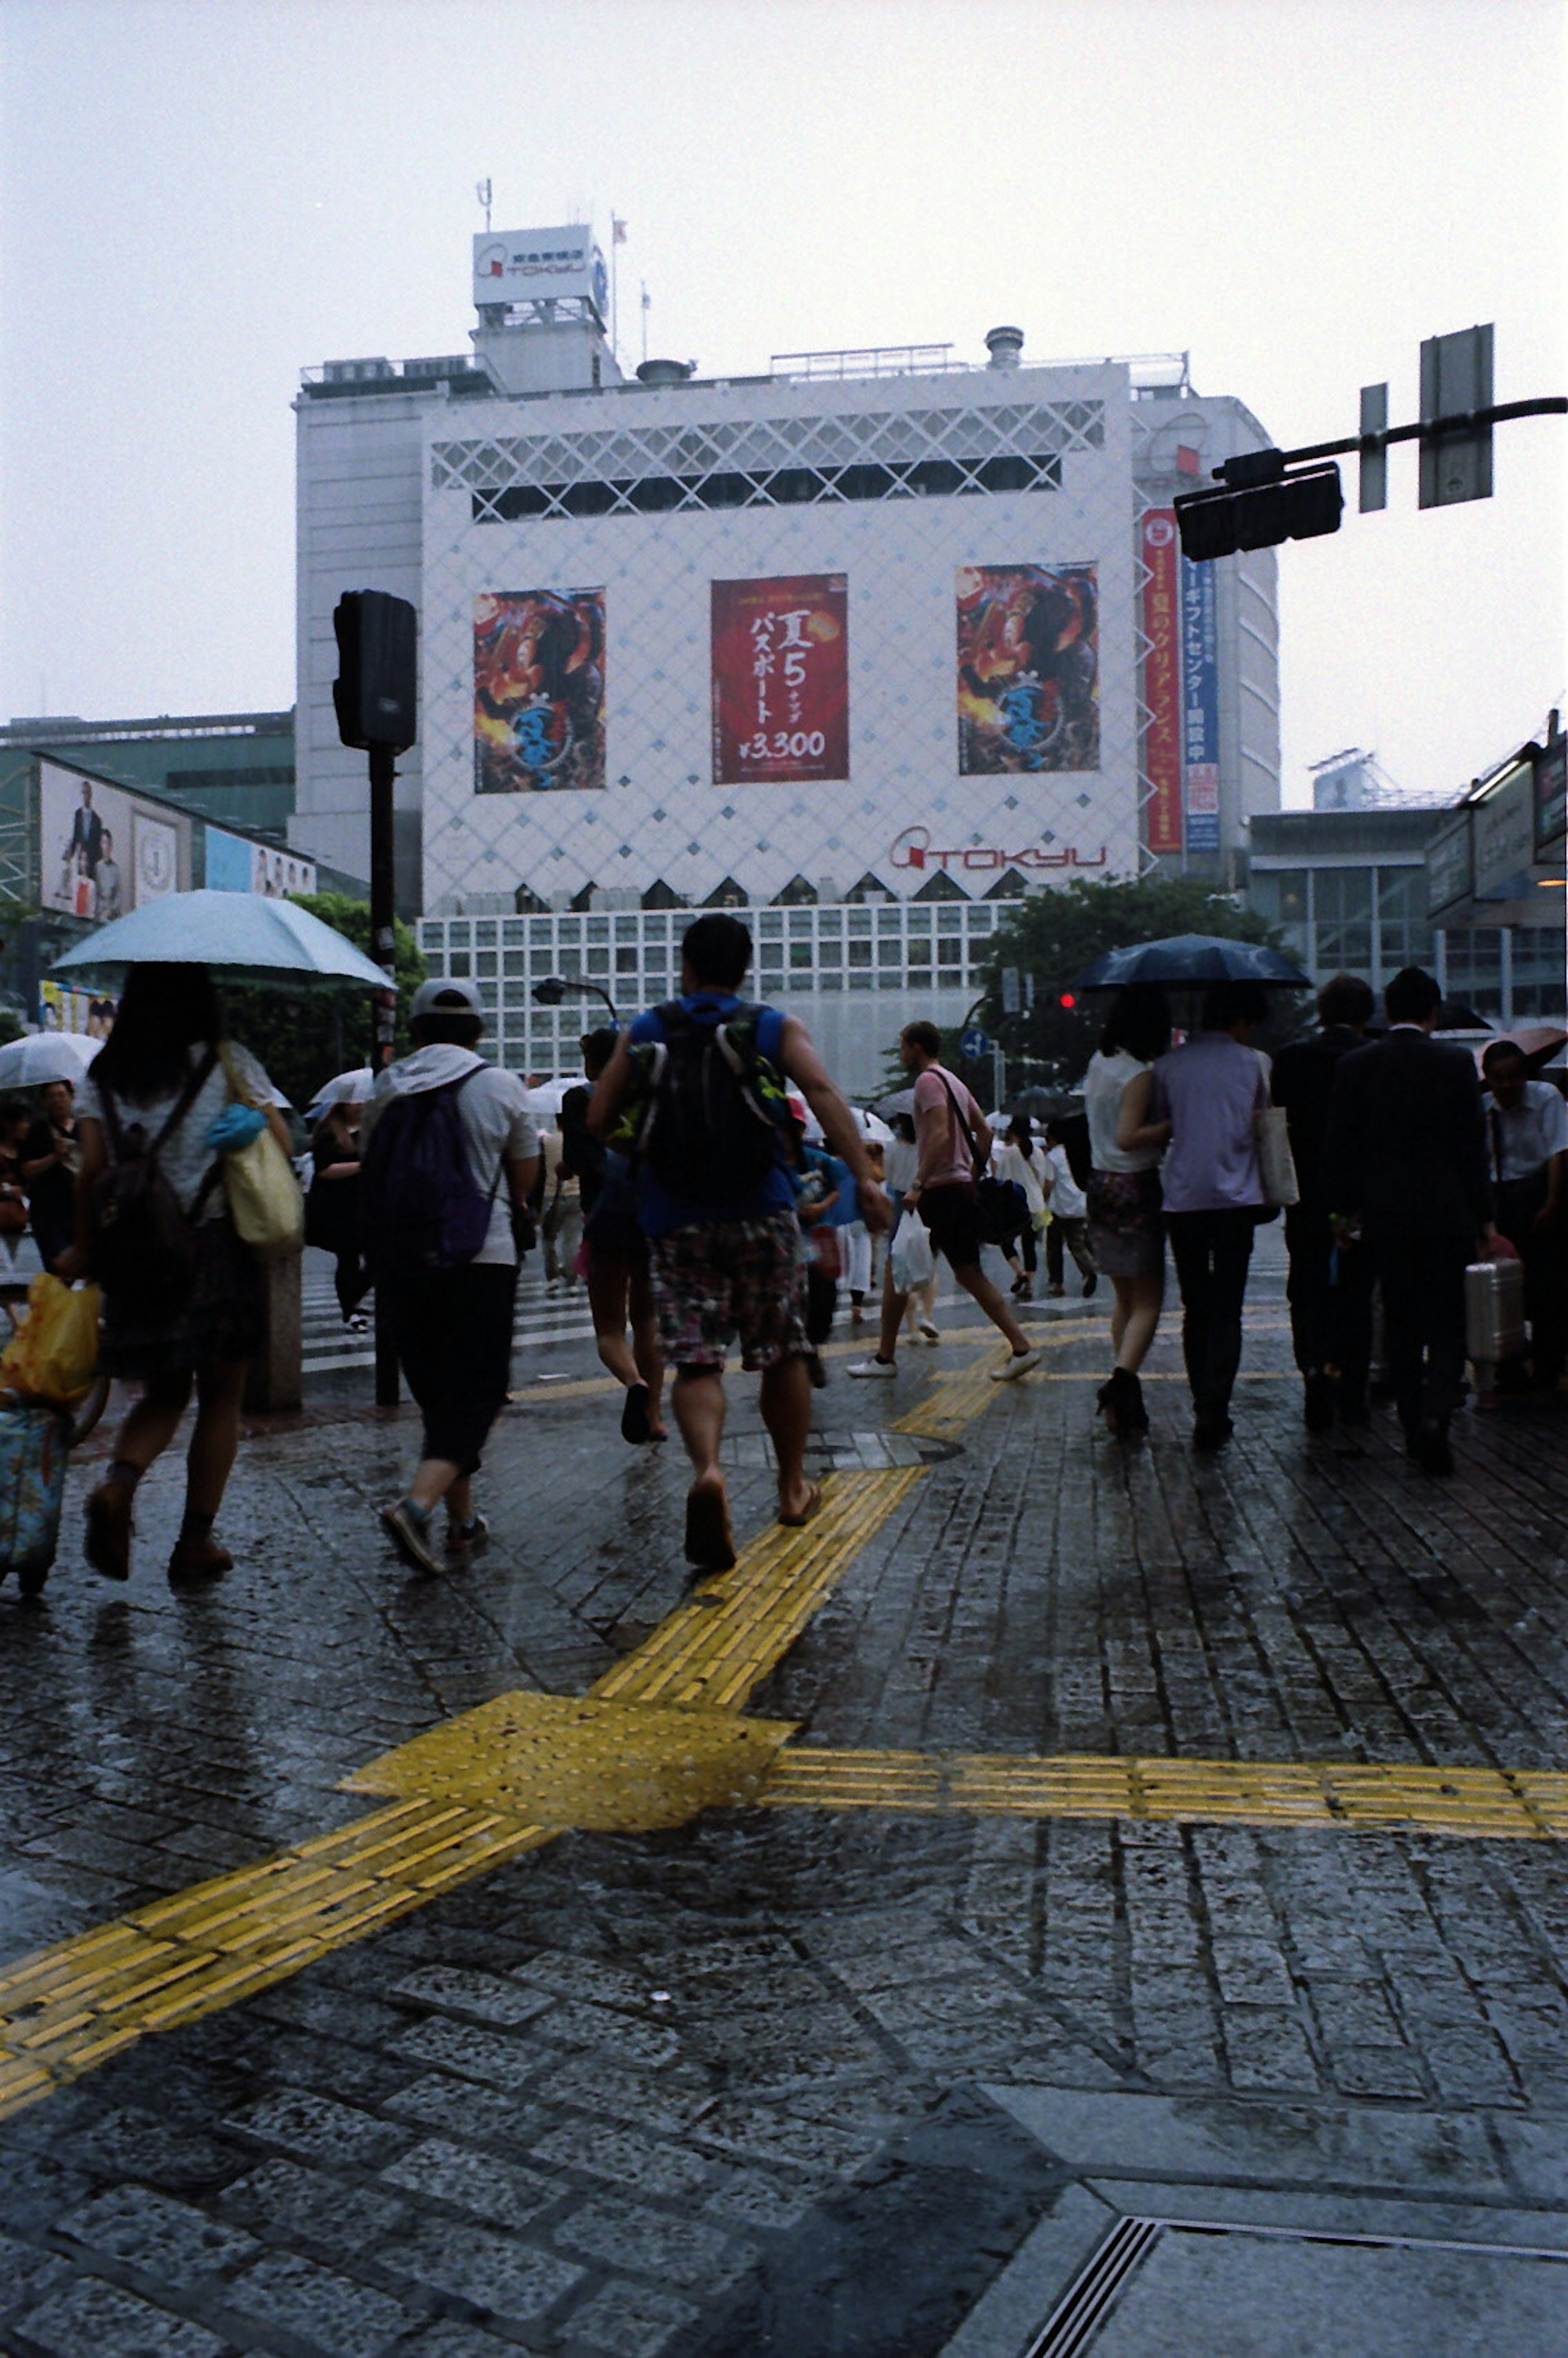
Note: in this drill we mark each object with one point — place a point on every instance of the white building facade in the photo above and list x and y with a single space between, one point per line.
866 646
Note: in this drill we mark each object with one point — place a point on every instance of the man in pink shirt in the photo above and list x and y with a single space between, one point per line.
942 1194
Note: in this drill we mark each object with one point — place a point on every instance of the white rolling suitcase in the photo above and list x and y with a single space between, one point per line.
1495 1330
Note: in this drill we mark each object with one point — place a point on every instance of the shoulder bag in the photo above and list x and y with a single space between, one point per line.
265 1201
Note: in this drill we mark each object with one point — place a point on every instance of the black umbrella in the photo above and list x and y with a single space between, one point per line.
1192 960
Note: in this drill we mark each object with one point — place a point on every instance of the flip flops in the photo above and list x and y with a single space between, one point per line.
635 1413
813 1507
710 1540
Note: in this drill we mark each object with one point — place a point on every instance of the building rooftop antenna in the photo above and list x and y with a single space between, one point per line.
484 192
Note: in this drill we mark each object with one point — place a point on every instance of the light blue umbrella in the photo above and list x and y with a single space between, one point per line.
241 937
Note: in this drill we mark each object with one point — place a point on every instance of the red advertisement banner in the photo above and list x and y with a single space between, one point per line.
538 690
781 680
1161 684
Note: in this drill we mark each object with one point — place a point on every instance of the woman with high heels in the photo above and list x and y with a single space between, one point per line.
1126 1227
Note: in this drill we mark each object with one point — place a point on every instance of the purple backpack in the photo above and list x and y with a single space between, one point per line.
419 1205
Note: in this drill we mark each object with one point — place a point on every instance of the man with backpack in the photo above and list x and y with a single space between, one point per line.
451 1149
700 1083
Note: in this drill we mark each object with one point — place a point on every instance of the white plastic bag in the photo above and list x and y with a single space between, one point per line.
913 1260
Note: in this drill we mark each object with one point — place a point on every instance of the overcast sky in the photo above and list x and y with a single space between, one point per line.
202 197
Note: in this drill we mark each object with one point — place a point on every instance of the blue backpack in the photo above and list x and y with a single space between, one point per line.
419 1205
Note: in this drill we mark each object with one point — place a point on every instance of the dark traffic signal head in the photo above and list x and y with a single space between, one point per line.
1258 506
375 692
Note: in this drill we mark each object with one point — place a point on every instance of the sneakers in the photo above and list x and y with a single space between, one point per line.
1055 1292
409 1532
1091 1284
929 1334
1019 1364
462 1538
877 1366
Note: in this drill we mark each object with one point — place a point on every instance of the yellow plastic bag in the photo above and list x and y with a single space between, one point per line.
53 1354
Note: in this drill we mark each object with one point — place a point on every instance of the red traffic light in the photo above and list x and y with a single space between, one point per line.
1067 998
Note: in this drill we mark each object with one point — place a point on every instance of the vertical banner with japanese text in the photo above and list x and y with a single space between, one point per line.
1162 685
1200 705
781 680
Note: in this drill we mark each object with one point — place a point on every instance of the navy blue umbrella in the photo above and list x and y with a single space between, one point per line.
1192 960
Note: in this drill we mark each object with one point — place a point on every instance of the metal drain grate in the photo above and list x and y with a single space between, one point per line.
1090 2296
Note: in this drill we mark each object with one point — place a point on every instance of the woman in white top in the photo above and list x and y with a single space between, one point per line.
1126 1230
1019 1162
160 1081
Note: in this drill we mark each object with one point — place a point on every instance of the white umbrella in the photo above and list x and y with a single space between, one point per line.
241 937
545 1096
46 1056
872 1127
348 1088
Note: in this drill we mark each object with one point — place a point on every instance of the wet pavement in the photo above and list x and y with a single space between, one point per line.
1062 1901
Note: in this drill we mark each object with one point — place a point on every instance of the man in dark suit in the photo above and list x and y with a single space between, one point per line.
1330 1284
1405 1162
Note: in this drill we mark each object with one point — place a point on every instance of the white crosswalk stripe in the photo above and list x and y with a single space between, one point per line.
329 1348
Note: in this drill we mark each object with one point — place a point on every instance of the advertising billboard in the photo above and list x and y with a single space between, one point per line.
781 680
538 690
1551 793
1502 835
1162 685
1200 705
526 266
103 850
234 864
1028 686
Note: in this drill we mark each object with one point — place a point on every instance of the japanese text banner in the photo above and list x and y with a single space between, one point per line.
781 680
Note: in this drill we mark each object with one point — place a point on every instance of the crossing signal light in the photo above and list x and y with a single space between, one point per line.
375 694
1257 506
1067 998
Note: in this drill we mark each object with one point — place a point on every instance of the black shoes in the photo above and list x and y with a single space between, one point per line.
1428 1444
1211 1433
1121 1404
1318 1402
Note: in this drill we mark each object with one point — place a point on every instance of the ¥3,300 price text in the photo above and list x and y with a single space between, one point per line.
804 745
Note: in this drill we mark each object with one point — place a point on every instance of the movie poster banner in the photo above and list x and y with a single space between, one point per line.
781 680
1162 685
538 690
1027 669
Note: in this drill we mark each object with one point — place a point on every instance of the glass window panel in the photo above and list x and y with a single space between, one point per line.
801 954
949 919
771 924
597 962
949 953
625 957
459 962
860 921
920 977
859 954
515 962
459 931
512 929
862 981
484 962
889 953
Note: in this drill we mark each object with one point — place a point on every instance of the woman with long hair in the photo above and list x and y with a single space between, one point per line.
1018 1161
1126 1227
156 1087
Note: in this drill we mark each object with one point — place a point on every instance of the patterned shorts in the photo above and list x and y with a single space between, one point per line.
744 1278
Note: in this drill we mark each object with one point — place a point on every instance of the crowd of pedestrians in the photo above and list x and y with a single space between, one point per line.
684 1187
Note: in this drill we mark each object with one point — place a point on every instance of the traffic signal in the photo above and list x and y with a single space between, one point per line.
1067 998
1257 506
375 694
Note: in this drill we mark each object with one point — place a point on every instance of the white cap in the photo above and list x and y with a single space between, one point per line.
446 995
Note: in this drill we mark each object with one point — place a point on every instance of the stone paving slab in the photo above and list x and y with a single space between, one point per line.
797 2080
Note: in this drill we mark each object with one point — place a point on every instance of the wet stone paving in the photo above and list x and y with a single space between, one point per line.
884 2055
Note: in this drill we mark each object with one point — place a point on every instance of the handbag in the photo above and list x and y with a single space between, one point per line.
265 1201
1001 1208
1276 1164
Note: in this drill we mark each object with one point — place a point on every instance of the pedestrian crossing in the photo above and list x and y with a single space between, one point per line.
329 1348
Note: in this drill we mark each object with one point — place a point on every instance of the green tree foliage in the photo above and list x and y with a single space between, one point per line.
303 1038
1051 937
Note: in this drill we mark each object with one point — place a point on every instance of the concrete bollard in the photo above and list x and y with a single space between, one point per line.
274 1379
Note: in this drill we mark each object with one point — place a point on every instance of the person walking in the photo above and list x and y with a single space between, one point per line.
1330 1284
1018 1162
1125 1225
1527 1137
615 1253
1066 1205
451 1319
1404 1163
183 1299
953 1142
16 1120
705 1075
1207 1096
561 1225
51 1157
332 1210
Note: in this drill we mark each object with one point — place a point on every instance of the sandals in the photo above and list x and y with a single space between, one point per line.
709 1539
813 1507
635 1413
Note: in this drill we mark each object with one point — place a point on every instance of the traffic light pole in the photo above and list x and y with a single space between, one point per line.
1462 422
384 950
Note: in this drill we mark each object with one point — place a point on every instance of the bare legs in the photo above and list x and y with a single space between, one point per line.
979 1289
619 1292
1135 1315
697 1397
215 1436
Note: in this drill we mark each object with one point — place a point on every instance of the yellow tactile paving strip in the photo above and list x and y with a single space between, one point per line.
1493 1804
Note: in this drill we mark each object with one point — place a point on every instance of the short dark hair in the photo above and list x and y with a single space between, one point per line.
1412 995
1495 1052
14 1109
598 1047
1226 1003
1140 1021
718 949
1346 999
460 1029
922 1035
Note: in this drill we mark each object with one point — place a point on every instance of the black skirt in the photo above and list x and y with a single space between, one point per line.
222 1317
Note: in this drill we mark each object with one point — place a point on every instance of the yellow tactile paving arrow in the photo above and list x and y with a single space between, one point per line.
658 1738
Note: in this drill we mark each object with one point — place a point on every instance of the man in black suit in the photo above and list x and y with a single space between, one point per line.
1330 1284
1405 1162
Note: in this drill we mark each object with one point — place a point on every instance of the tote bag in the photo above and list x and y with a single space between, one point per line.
1276 1164
265 1201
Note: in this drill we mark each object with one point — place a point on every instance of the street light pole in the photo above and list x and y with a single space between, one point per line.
553 988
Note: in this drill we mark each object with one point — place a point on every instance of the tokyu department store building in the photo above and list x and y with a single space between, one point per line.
863 648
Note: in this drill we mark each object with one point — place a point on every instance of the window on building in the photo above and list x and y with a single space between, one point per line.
1538 987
